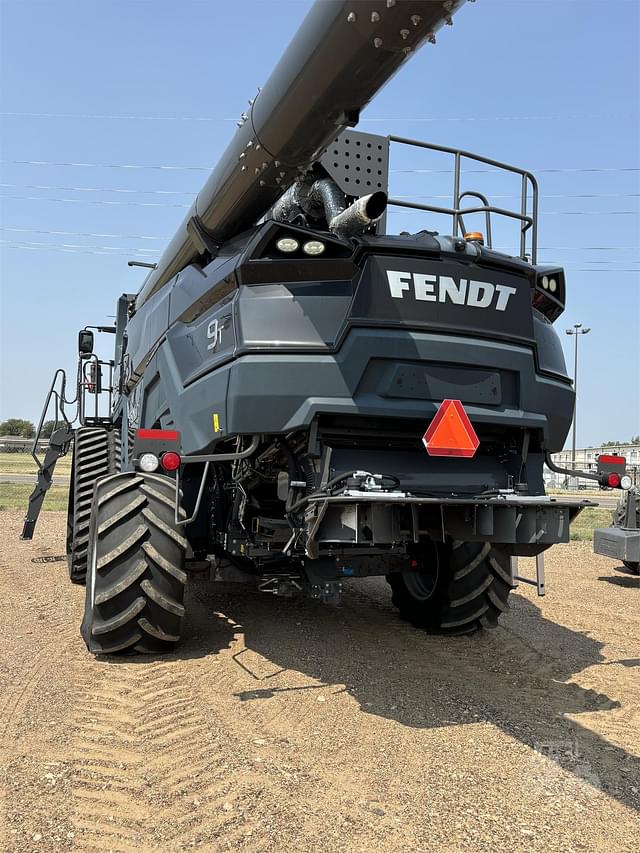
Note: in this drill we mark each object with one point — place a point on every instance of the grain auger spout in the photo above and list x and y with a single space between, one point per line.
341 56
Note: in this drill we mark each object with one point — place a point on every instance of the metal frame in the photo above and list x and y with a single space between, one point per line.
539 579
58 445
84 390
208 458
529 192
60 402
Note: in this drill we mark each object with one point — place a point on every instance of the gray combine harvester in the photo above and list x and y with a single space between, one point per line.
298 397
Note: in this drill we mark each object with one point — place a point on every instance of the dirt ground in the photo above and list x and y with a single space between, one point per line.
294 726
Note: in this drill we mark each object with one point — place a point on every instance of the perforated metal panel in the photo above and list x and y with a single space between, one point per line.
359 164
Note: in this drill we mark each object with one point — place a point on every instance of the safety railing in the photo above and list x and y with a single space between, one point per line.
527 214
91 390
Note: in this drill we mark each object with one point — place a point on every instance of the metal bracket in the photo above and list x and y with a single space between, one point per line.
200 237
571 472
539 579
208 459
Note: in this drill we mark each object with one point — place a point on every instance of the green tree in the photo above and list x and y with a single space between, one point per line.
635 439
17 426
47 429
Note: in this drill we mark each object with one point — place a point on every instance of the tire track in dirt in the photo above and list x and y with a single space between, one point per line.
286 725
151 770
37 627
45 613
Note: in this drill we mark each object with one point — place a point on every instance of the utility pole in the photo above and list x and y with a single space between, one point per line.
576 331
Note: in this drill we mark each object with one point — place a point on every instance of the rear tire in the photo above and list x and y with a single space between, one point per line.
96 453
136 578
455 588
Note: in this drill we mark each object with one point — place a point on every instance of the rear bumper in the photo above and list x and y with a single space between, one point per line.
518 526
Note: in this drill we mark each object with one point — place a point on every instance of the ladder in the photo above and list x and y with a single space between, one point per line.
59 444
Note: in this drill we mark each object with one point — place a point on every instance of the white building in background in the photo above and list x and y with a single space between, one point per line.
587 460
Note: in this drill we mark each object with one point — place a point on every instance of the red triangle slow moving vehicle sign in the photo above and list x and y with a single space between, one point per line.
450 433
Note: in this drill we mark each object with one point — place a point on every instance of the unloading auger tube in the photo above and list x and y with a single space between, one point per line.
342 55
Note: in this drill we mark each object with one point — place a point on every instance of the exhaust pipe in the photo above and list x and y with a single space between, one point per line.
324 199
360 215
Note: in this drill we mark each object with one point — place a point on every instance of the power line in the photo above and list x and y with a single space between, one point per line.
81 234
71 248
97 189
108 165
371 119
535 171
543 195
93 201
542 213
167 237
392 171
79 246
160 204
184 192
73 251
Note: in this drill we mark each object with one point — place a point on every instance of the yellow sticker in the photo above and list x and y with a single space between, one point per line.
216 422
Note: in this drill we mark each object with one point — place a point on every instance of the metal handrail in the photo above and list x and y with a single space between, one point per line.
85 383
60 402
529 187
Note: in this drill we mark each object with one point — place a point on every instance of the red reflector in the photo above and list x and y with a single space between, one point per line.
170 460
612 460
450 432
158 434
613 480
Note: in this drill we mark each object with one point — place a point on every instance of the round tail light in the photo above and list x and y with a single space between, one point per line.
170 460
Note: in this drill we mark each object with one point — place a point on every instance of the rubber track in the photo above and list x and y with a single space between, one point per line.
96 453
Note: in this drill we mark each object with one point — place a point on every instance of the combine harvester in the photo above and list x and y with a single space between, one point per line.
297 397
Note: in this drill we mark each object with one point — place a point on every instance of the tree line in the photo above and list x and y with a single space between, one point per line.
25 429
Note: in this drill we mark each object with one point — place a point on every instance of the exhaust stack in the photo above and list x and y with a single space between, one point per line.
323 199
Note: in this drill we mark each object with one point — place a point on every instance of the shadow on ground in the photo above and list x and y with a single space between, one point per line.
516 677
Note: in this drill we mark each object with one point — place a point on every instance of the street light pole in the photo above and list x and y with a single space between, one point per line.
576 331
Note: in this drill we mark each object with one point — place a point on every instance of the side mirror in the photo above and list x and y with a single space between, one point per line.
85 342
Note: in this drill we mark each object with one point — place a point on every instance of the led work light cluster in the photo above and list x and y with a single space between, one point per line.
549 294
549 283
288 245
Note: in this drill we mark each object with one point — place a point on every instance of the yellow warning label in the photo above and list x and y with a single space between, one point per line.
216 422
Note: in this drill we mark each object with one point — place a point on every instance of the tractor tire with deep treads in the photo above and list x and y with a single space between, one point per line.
455 588
96 453
136 578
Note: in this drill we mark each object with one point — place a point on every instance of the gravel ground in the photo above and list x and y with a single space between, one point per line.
292 726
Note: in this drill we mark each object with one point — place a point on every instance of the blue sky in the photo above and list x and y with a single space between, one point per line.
545 85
